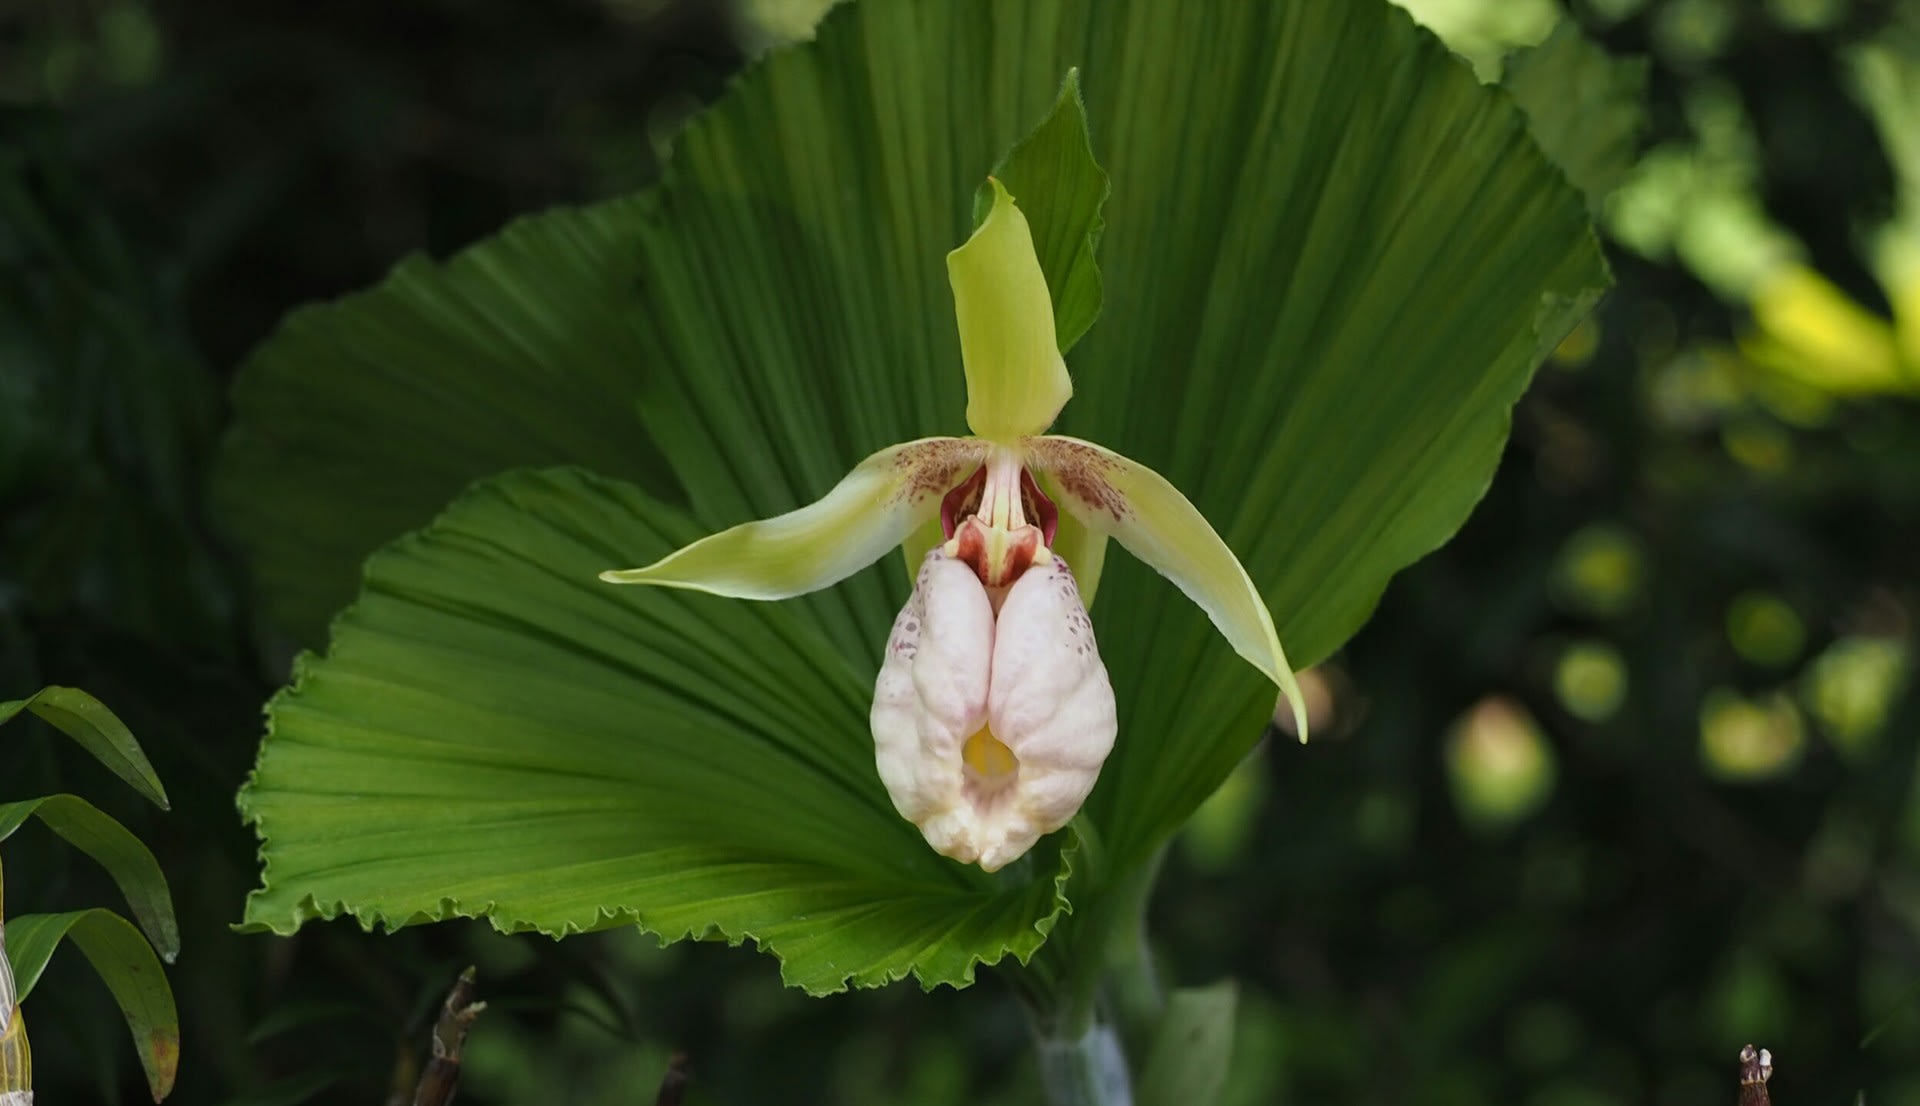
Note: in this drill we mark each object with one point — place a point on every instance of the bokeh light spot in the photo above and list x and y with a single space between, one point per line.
1500 766
1600 572
1758 444
1580 344
1745 740
1764 629
1852 687
1590 680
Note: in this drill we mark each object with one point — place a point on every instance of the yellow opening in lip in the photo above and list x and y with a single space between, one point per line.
988 756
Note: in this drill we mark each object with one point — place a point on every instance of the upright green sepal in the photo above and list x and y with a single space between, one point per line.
1016 379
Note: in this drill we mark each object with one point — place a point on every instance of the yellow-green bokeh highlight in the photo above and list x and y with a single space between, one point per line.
1579 346
1764 629
1485 31
1590 680
1852 687
1694 30
1745 740
1601 571
1499 764
1759 444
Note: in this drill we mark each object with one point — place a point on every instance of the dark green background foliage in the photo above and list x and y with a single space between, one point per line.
175 177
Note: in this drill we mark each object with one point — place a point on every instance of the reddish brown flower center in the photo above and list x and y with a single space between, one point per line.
998 521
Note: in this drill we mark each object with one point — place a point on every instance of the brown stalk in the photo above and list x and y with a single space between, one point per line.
441 1079
1756 1067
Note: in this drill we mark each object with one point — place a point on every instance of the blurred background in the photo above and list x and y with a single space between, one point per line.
1620 780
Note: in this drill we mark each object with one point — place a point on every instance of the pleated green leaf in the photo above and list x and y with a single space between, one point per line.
1331 261
494 732
1585 107
97 730
1061 188
371 412
130 863
124 962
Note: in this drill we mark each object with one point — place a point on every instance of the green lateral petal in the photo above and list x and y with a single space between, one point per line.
125 963
869 512
494 734
130 863
1016 379
1148 516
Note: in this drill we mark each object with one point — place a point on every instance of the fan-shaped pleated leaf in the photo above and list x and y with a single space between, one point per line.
495 732
1330 263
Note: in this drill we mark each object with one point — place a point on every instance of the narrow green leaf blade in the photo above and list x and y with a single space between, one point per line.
1061 189
495 733
124 856
88 721
1193 1047
125 963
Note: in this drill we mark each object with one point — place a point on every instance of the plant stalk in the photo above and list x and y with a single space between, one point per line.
1085 1070
16 1059
16 1064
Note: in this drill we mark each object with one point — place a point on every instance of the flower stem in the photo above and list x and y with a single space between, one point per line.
1085 1070
16 1058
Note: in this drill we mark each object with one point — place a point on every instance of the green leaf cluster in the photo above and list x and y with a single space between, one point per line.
123 956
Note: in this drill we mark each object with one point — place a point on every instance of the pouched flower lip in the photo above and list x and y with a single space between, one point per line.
1017 383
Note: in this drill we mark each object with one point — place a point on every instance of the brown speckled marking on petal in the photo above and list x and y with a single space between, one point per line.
934 467
1082 474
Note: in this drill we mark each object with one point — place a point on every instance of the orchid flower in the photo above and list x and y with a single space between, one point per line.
992 713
